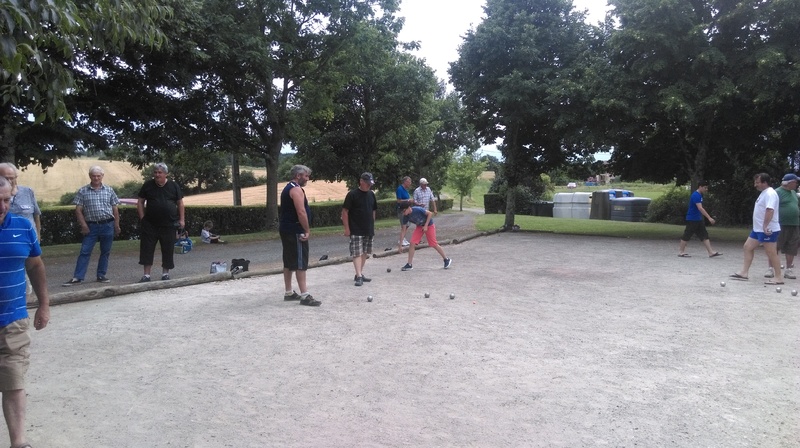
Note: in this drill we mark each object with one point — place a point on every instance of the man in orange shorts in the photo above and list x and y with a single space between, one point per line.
423 220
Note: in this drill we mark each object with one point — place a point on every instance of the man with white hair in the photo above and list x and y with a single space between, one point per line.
789 218
97 214
423 196
161 216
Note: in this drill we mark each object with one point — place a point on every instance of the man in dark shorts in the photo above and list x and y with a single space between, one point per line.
695 225
789 218
295 230
19 252
161 214
358 216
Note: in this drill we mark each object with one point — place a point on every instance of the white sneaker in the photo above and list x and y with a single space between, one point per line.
770 273
405 243
789 274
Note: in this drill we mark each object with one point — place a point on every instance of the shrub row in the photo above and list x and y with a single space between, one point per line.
59 225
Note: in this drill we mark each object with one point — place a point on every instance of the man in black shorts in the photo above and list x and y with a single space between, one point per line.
295 230
695 224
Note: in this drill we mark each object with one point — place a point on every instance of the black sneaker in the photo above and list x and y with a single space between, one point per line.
359 280
447 263
144 279
102 279
363 279
165 277
309 301
72 281
292 296
407 267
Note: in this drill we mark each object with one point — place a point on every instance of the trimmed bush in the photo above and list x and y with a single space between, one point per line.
670 208
60 227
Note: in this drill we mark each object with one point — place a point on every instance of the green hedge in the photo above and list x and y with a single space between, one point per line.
59 225
494 203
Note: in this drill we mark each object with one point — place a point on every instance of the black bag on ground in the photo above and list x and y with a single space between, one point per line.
240 263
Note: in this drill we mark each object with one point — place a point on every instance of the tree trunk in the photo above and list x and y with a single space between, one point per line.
511 200
237 185
461 204
272 180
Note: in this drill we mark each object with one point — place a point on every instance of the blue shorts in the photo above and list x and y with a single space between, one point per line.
764 238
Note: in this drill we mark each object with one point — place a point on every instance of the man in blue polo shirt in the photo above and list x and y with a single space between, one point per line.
19 252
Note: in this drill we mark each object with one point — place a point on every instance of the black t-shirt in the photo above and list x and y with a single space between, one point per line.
360 206
161 208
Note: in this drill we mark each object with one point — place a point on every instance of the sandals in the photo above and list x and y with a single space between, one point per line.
684 255
773 282
736 276
715 254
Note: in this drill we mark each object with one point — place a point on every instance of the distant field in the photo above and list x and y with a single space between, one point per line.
69 175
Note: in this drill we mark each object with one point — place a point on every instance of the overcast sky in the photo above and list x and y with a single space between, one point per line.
439 25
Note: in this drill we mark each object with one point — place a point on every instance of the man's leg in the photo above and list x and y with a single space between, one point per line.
411 250
749 250
287 279
771 250
166 239
707 243
147 247
682 247
14 413
301 281
87 246
106 240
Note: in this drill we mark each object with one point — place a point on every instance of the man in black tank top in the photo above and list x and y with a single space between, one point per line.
295 230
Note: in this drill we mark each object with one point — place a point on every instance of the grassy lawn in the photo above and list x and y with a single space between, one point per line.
634 230
639 189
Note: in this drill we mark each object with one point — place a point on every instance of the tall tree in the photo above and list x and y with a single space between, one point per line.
237 85
387 116
519 74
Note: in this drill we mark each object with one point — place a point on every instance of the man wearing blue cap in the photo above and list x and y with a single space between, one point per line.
789 218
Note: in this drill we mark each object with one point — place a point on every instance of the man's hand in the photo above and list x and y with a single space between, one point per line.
42 317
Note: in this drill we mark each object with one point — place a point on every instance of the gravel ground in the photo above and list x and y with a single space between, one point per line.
550 341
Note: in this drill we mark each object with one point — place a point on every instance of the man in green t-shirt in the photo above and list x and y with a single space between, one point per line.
789 218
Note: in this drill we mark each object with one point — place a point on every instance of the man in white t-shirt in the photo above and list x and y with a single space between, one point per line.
766 230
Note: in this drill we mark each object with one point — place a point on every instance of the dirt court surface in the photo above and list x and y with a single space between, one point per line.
551 341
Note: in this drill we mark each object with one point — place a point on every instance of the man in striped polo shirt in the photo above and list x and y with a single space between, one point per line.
19 252
98 215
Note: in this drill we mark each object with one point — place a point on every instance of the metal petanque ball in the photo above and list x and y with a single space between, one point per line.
452 296
427 294
388 269
722 284
369 298
778 289
794 292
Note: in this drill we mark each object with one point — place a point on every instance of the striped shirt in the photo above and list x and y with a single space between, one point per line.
18 242
98 205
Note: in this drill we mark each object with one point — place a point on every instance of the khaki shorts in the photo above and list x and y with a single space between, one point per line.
14 355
